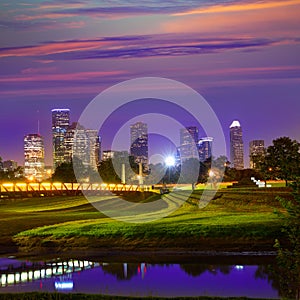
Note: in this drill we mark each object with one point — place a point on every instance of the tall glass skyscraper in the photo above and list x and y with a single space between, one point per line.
188 142
60 124
236 145
139 143
34 157
84 144
256 147
205 148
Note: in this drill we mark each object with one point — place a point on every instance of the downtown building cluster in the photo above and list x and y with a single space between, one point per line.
88 146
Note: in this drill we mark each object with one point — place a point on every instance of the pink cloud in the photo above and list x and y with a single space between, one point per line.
51 48
239 7
273 19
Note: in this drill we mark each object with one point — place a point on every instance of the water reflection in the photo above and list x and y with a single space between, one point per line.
138 279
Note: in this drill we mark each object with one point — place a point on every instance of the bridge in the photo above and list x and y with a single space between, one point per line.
48 189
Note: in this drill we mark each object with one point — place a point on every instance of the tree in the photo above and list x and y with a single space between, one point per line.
263 166
65 171
107 172
281 160
288 258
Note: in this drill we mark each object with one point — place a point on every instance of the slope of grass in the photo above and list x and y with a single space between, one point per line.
234 216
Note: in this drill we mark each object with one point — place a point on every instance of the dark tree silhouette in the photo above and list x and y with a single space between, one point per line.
283 159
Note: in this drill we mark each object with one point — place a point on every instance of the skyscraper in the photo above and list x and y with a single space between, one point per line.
205 148
188 142
82 143
60 124
236 145
256 147
139 143
34 157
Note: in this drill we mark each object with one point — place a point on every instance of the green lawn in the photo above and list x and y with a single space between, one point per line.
235 216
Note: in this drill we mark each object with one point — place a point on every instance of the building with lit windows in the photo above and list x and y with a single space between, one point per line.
205 148
34 157
83 143
189 142
139 143
60 124
236 146
256 147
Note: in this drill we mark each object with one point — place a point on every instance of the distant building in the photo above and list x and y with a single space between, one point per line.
60 124
9 165
93 149
111 154
34 157
139 143
189 142
205 148
236 145
256 147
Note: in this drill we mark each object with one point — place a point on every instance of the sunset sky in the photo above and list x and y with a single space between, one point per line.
241 56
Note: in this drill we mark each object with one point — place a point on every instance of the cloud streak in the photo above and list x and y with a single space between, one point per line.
38 76
238 7
126 47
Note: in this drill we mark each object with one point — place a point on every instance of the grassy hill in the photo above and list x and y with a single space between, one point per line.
236 219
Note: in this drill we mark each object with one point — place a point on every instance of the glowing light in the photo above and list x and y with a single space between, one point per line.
238 267
211 173
170 161
235 124
64 285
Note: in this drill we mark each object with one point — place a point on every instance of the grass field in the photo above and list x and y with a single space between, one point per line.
236 219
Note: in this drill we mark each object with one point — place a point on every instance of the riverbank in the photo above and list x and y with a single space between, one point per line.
57 296
236 220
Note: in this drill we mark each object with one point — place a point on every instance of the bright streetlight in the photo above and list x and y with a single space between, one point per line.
170 161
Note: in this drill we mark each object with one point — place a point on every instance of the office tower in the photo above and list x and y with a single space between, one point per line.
111 154
34 157
205 148
93 148
69 141
256 147
60 124
236 145
139 143
82 143
188 142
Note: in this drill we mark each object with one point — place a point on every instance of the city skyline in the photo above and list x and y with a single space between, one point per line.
187 137
57 54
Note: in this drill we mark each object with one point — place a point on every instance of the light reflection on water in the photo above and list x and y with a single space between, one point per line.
136 279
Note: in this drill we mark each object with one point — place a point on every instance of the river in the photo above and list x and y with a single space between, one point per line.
206 275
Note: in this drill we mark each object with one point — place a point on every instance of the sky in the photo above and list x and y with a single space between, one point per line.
241 56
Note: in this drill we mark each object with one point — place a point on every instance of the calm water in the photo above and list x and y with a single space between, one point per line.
138 279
